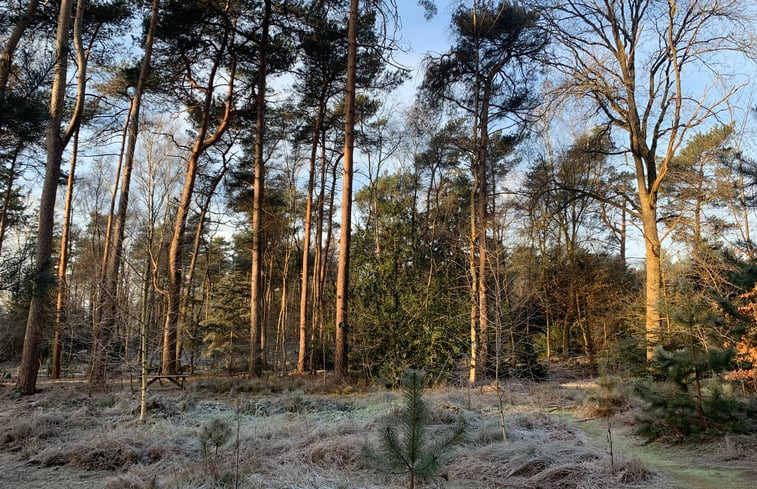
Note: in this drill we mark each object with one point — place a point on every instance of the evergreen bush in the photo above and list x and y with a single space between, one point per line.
610 398
214 433
691 402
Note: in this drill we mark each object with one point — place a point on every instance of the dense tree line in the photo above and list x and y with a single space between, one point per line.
243 194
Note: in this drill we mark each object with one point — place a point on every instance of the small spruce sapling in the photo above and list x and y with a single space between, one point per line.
403 447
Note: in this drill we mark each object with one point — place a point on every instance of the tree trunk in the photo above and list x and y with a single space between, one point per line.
43 277
256 288
343 271
107 242
483 224
82 58
698 205
202 143
653 281
473 366
283 307
108 297
267 309
173 289
60 303
6 56
745 233
8 197
305 274
144 320
187 292
318 262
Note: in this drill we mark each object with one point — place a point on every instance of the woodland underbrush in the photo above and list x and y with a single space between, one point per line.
302 433
675 411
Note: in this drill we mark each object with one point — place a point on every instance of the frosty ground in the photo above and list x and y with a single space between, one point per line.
302 432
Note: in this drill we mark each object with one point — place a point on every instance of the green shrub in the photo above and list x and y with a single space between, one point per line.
107 400
691 403
670 414
610 398
625 355
215 433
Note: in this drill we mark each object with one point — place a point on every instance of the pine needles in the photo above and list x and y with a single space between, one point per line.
403 447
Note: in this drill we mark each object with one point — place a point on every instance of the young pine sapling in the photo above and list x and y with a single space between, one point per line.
403 446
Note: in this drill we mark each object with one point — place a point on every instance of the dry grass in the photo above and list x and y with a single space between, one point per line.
310 436
634 471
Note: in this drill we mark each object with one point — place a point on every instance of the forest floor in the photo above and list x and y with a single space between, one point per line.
296 432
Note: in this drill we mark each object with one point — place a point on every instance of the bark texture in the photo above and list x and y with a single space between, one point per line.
343 271
43 270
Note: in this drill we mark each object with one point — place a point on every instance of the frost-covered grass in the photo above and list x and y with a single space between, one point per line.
302 434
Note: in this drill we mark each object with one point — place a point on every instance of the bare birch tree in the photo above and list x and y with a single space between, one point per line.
108 300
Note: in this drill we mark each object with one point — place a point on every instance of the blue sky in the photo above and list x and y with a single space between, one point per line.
420 37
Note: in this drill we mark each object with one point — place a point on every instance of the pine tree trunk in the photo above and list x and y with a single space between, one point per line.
43 269
60 303
318 264
187 292
108 241
473 365
305 273
283 307
173 303
203 141
343 271
256 286
483 223
6 56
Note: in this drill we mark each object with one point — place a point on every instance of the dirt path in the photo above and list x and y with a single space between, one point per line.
679 468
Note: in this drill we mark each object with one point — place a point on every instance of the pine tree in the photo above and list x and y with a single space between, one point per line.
405 450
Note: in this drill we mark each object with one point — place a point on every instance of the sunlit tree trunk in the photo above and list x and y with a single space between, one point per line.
320 261
173 288
108 241
6 55
283 315
60 303
82 58
317 319
305 271
482 220
473 353
203 141
256 286
343 270
187 291
653 282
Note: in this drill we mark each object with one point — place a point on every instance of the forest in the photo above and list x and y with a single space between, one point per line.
253 190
